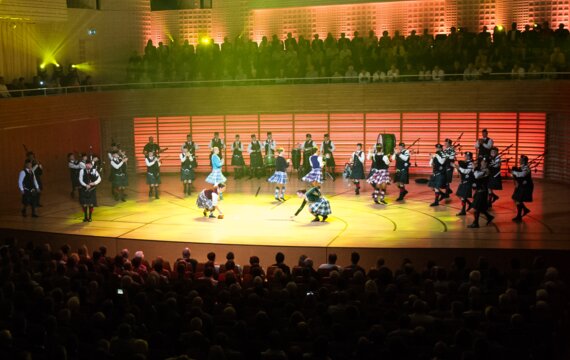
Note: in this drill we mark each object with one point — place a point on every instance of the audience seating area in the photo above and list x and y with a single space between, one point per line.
75 304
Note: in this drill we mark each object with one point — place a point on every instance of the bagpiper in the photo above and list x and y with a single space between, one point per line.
186 170
402 177
38 170
495 181
437 179
484 144
524 188
357 165
269 146
237 158
29 188
318 204
480 200
216 142
380 175
327 150
192 146
465 188
120 179
449 153
89 178
279 178
153 174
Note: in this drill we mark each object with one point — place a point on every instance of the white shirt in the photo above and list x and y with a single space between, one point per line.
117 165
360 157
487 146
239 147
21 180
4 91
332 149
272 144
183 157
73 165
404 155
437 75
150 162
94 173
249 149
215 198
440 159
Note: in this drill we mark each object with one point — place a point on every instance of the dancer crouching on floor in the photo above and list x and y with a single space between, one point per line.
379 176
208 200
279 178
318 205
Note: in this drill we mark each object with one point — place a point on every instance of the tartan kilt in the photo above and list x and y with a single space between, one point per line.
255 159
381 176
187 174
321 207
216 177
464 190
523 192
237 160
203 202
120 180
330 160
87 197
495 183
153 179
74 176
437 181
449 175
481 201
357 172
279 177
314 175
402 176
29 198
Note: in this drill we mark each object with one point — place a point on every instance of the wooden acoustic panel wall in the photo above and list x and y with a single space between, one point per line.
525 131
558 146
50 143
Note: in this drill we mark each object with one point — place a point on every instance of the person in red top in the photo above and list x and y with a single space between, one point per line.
209 200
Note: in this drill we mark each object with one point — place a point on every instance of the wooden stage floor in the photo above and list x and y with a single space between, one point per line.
356 221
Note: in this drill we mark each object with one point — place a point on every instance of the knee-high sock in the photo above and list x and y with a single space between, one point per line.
90 211
276 192
85 211
375 194
382 194
283 191
185 188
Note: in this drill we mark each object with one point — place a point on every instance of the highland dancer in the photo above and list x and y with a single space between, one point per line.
495 181
379 176
402 177
29 188
119 175
524 187
464 190
318 205
279 178
216 176
481 198
152 174
187 169
237 158
357 164
89 179
208 199
449 153
315 176
437 179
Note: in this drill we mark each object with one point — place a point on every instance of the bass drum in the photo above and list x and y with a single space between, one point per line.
270 160
296 158
388 142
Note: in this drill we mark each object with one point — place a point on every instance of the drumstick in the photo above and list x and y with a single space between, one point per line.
257 192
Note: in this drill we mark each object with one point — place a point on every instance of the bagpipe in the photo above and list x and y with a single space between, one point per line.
28 152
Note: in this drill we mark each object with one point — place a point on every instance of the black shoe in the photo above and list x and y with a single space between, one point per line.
517 219
435 203
325 217
85 220
382 201
212 216
490 219
376 201
473 226
156 195
90 220
282 198
461 213
400 198
525 212
124 198
205 213
444 196
316 219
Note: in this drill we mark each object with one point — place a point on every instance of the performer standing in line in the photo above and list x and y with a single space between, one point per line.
255 158
484 145
270 146
216 176
89 179
464 190
437 179
74 168
402 177
192 147
38 170
186 169
524 187
279 178
380 176
153 174
318 205
315 176
29 188
308 147
327 150
208 199
495 181
120 178
449 153
480 200
357 164
216 142
151 146
237 158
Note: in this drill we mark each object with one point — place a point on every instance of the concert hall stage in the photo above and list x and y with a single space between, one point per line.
260 225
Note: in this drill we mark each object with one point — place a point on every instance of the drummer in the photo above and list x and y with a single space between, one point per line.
269 146
255 160
327 149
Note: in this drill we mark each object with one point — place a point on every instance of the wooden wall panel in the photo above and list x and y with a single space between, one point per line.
557 165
